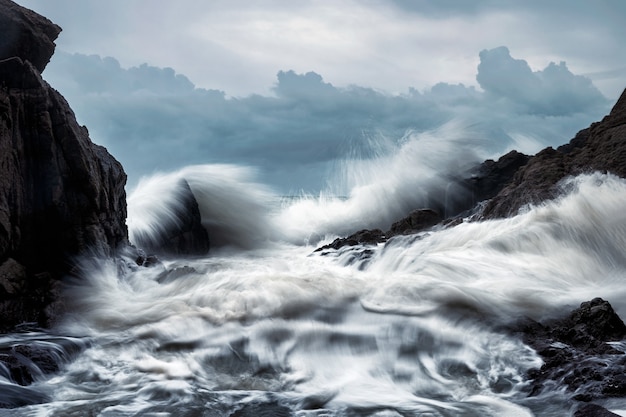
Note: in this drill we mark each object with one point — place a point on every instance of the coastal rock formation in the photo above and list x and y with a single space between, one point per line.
26 35
60 194
416 221
600 147
489 178
576 354
177 228
481 183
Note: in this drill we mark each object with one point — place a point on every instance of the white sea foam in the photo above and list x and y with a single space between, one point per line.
406 330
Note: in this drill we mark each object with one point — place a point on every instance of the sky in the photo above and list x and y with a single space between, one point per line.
293 89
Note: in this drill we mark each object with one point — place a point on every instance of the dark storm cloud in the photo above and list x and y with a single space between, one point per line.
154 119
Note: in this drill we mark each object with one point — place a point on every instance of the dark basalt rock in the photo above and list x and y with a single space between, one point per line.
27 35
593 410
362 237
489 178
415 222
576 354
60 194
601 147
180 232
29 356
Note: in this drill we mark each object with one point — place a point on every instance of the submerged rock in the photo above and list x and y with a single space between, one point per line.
60 194
576 354
593 410
30 357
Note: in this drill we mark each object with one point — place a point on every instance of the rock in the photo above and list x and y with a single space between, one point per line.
30 359
595 319
27 35
416 221
362 237
487 179
601 147
60 194
593 410
575 352
179 230
12 277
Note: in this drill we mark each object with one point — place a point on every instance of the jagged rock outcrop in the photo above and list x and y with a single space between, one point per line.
576 354
481 183
417 221
60 194
26 34
177 228
600 147
489 178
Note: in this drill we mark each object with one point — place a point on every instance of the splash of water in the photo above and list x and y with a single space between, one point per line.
277 330
234 209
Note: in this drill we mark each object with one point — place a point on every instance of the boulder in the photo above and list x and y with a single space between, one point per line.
576 354
415 222
177 227
60 194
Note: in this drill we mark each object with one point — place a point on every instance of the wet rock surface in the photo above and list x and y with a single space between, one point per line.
29 357
180 232
577 353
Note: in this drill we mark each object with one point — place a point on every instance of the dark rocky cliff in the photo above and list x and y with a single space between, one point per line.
600 147
60 194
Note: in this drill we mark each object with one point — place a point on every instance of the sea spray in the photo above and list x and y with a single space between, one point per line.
551 255
233 207
385 184
280 329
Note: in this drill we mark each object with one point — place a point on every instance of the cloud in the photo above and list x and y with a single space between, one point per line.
555 91
154 119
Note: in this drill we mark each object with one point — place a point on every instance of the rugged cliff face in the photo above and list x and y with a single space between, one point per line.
600 147
60 194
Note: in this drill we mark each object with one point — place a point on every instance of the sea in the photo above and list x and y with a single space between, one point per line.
266 326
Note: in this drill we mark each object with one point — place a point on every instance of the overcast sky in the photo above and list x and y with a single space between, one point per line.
293 87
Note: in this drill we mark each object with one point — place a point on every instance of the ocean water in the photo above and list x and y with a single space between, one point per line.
265 326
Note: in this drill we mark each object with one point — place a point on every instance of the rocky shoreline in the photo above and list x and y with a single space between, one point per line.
498 189
578 355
